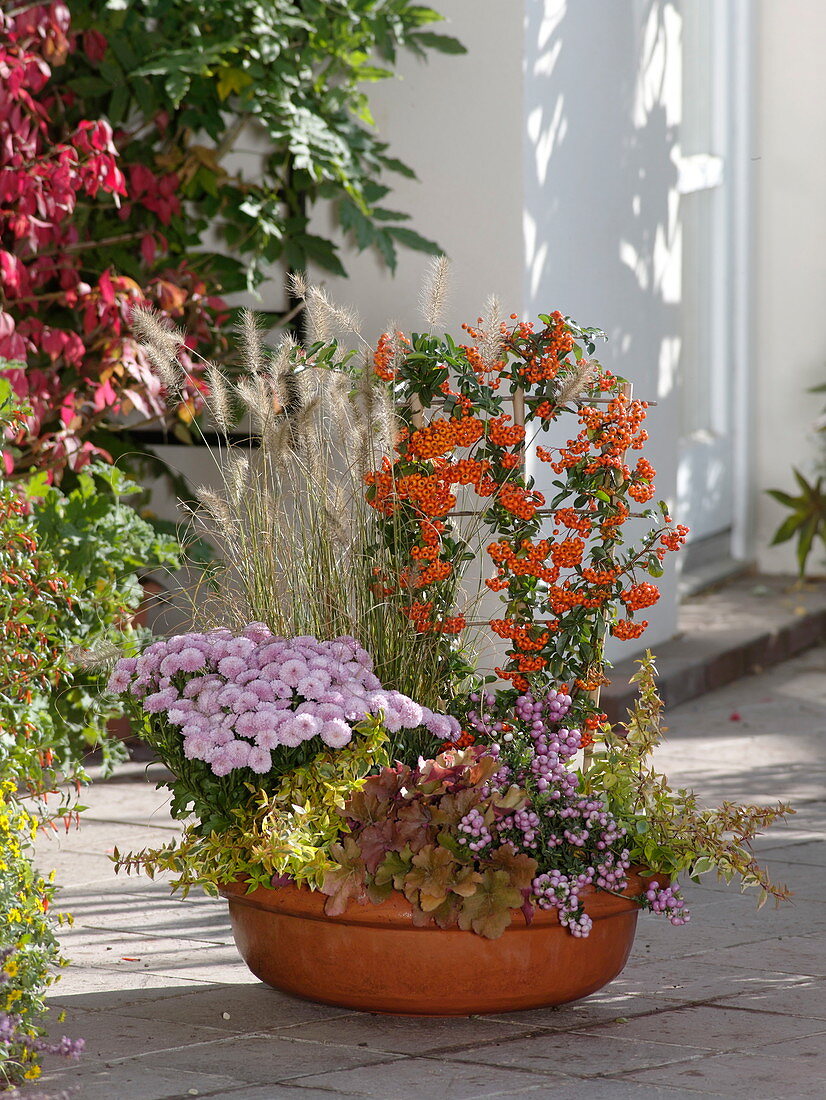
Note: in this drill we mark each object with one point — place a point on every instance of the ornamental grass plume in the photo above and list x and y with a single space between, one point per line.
302 550
435 291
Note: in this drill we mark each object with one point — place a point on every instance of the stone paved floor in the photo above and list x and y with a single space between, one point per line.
733 1004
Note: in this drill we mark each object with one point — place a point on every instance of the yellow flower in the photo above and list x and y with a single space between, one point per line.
11 967
32 1074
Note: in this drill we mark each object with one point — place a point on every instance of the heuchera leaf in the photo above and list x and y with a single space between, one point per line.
370 803
413 825
393 868
345 881
453 807
429 881
519 867
376 841
447 914
488 910
513 799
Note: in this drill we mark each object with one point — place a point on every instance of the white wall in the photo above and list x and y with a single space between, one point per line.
456 121
602 105
791 256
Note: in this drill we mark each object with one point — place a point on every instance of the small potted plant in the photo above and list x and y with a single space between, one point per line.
398 827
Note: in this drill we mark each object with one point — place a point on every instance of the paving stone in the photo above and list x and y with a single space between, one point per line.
99 948
253 1059
76 981
599 1008
131 1081
420 1078
125 801
597 1088
808 1048
144 1000
233 1009
761 1076
718 1029
177 958
577 1053
809 854
806 999
397 1034
690 979
559 1089
790 954
110 1037
159 914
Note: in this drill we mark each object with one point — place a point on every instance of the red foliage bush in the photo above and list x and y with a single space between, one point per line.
64 310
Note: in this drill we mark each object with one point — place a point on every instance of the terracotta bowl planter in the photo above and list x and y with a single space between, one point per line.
373 958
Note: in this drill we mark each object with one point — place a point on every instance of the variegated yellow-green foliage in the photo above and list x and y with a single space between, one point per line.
29 951
288 832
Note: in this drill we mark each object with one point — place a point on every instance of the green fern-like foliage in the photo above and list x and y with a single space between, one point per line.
670 831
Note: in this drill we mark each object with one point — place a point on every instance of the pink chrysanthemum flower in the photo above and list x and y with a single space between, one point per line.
257 632
292 671
160 700
191 659
268 739
262 690
121 677
336 733
231 666
260 760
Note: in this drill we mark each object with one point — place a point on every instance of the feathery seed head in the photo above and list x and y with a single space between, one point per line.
252 347
577 382
218 402
435 291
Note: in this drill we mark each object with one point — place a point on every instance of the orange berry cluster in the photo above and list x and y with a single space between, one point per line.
464 742
625 629
441 436
520 635
520 502
383 358
599 576
433 573
569 517
429 494
568 553
421 614
529 561
531 365
642 487
503 436
639 596
672 540
565 597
